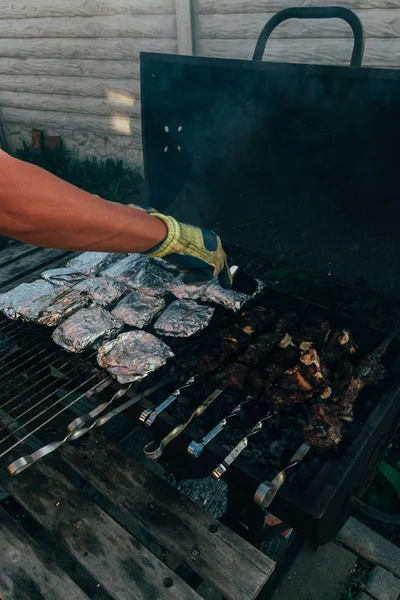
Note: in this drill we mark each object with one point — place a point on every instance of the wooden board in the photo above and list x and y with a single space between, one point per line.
119 48
229 563
105 69
27 573
116 124
28 264
15 252
71 86
385 52
377 23
138 26
263 6
21 9
112 556
127 104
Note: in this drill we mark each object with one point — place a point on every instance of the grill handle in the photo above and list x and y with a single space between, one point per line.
311 12
366 510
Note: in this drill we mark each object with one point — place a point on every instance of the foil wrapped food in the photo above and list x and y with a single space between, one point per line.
151 280
63 276
160 262
211 292
27 300
126 269
183 318
133 355
91 263
62 307
88 327
137 309
101 290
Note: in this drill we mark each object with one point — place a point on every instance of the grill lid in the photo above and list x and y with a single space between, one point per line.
298 162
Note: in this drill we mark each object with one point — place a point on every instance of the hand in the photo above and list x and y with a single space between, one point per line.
196 252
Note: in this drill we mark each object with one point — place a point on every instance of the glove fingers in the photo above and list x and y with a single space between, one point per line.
196 277
225 277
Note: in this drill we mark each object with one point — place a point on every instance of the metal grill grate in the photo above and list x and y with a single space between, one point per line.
38 383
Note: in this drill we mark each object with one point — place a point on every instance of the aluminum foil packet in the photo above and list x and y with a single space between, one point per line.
62 307
160 262
126 269
151 280
184 318
27 300
133 355
64 276
101 290
182 290
91 263
138 309
87 327
211 292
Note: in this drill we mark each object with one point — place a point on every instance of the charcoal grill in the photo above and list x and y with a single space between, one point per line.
236 145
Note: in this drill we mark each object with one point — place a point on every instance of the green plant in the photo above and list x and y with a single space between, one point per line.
110 179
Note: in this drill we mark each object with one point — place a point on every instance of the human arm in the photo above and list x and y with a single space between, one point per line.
38 208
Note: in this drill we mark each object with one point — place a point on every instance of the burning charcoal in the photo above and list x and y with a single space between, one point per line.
259 349
63 307
27 300
274 372
151 280
183 318
295 380
138 309
316 331
101 290
87 327
126 269
133 355
91 263
64 276
233 377
257 320
324 429
286 357
286 341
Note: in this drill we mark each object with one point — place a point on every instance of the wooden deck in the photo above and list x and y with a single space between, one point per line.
117 529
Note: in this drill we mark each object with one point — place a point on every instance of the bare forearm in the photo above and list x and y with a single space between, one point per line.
38 208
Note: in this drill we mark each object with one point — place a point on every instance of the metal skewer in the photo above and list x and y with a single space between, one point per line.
153 453
196 448
267 491
148 416
238 449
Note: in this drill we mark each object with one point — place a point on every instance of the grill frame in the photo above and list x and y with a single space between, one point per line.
319 520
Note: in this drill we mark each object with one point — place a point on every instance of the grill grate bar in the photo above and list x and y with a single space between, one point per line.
53 382
19 362
47 421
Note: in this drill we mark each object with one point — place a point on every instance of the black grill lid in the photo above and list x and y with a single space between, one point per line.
299 162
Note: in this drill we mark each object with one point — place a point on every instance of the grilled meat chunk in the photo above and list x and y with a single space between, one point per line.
324 429
233 377
257 320
258 349
283 400
340 346
316 331
343 375
295 380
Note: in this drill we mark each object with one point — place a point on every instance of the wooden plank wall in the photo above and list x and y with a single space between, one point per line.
229 29
72 68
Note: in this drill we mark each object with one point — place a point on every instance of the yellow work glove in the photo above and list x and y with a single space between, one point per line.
196 252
